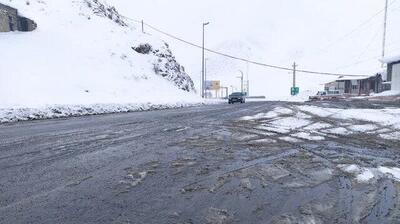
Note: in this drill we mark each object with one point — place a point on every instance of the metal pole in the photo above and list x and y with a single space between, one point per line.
142 26
248 87
201 85
203 65
242 84
205 75
248 83
294 74
202 69
384 31
241 80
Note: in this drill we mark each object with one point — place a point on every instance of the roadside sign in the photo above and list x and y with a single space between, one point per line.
213 85
294 91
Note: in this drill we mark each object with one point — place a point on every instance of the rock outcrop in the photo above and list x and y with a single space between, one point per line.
11 21
167 66
103 10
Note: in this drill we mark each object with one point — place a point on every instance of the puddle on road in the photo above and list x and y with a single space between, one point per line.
135 176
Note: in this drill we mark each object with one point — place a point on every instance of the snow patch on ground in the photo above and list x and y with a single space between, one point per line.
260 116
261 141
338 131
387 93
365 175
290 123
280 130
290 139
363 128
391 136
297 122
374 117
319 111
393 171
269 115
317 126
308 136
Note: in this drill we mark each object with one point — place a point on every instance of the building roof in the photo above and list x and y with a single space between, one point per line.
361 77
391 59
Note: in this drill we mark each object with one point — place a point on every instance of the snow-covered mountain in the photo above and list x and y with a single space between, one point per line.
275 85
85 52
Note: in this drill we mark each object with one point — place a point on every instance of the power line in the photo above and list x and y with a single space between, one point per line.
239 58
333 43
359 62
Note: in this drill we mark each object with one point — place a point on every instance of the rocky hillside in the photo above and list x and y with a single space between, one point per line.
86 52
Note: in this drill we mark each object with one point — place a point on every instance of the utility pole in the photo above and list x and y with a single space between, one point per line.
384 31
201 85
142 26
203 63
294 74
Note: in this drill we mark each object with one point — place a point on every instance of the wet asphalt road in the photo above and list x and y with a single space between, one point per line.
192 165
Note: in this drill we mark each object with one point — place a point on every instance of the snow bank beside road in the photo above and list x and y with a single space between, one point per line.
62 111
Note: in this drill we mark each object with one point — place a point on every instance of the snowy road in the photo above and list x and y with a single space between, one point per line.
261 162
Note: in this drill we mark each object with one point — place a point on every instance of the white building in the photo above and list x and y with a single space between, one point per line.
393 71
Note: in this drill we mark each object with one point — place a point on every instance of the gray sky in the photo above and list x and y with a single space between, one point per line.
319 35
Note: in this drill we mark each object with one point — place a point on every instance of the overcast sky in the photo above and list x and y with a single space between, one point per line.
317 34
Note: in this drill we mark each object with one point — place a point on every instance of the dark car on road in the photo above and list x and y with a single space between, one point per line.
236 98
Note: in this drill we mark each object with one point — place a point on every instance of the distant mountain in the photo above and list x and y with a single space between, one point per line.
331 36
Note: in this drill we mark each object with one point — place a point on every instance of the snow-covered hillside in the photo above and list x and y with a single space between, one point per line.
85 52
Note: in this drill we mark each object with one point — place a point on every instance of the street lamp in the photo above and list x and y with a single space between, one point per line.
241 80
203 63
205 75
